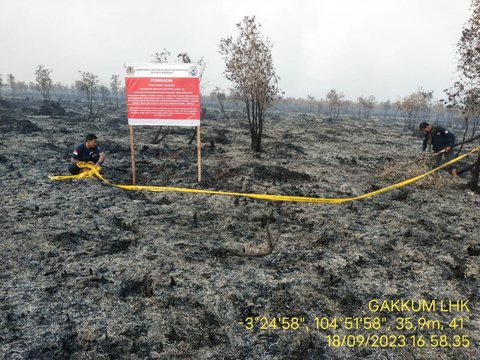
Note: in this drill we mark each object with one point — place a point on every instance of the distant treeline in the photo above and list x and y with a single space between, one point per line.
413 108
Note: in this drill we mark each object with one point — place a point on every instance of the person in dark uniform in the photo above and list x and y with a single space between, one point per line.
88 151
441 141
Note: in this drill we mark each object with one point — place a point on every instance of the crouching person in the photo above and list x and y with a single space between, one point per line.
87 151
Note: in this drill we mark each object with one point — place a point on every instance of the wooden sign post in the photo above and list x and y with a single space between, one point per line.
199 155
163 95
132 155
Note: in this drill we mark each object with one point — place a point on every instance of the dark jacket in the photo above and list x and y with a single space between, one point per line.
81 153
439 138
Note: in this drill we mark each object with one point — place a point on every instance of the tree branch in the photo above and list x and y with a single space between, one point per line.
247 250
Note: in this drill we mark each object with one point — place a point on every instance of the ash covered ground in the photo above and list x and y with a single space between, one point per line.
89 271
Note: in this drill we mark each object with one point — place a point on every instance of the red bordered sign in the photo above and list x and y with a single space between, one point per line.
163 94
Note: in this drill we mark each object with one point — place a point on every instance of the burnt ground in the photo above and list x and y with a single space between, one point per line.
89 271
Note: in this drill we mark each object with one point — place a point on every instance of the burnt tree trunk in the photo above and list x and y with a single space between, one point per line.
464 136
467 141
475 175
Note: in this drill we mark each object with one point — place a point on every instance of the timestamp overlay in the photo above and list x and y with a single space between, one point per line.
384 324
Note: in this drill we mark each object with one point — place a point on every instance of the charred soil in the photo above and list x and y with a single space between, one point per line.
89 271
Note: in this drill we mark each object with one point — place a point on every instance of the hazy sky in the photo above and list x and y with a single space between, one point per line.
387 48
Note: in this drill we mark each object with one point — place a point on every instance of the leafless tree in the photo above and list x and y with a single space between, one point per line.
44 80
439 110
368 105
11 83
221 97
311 103
386 106
465 93
88 84
104 92
360 101
114 84
334 100
162 57
469 62
319 107
184 58
249 65
416 106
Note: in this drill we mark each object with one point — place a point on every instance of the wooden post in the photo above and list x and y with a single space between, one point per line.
132 155
199 155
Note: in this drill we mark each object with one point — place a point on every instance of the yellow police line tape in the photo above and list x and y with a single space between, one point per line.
94 173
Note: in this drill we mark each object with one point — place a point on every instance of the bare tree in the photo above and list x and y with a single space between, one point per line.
340 102
334 100
360 101
221 97
184 58
368 105
161 57
386 106
87 84
311 103
415 106
249 65
104 92
465 93
114 84
11 83
319 107
469 62
44 80
466 99
74 88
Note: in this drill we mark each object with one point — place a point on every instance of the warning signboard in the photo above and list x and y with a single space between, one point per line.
163 94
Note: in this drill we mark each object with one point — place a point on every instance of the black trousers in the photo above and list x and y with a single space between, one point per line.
437 159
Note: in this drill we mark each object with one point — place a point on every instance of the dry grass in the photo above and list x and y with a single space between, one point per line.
408 168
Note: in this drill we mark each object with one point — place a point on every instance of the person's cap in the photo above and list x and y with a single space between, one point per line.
423 125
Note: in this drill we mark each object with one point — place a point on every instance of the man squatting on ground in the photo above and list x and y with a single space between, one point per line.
441 140
88 151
